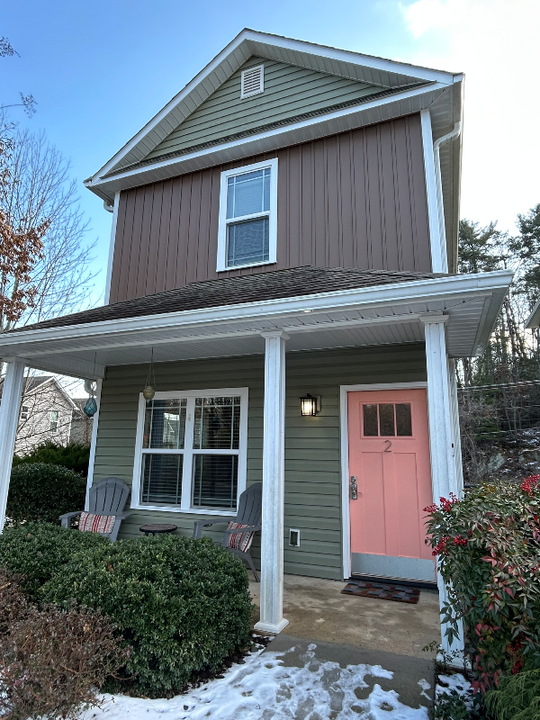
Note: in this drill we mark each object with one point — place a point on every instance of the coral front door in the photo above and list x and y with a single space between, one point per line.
389 483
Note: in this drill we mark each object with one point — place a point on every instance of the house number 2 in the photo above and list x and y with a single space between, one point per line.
387 448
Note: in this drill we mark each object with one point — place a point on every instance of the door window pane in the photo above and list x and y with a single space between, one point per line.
215 480
403 419
162 479
164 424
371 426
248 193
217 423
248 242
386 419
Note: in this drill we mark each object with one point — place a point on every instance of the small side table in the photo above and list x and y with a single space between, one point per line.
157 529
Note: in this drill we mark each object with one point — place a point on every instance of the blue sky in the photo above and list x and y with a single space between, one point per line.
100 70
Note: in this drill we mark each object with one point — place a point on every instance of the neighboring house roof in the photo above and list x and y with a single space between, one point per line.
363 90
37 382
292 282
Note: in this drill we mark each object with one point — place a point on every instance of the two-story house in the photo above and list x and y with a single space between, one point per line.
283 273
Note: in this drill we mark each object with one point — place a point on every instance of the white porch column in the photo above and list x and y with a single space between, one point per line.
9 417
273 498
443 444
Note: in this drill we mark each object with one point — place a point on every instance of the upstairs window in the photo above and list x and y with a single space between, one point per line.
53 421
248 216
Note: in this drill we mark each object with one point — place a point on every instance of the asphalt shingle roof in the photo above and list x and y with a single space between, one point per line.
273 285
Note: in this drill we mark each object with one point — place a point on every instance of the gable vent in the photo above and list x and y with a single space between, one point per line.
252 81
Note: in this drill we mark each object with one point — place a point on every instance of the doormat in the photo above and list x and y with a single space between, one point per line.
382 591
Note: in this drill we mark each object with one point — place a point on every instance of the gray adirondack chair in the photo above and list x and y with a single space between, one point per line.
249 513
106 497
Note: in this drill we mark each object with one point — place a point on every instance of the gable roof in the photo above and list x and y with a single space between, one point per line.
292 282
397 89
35 383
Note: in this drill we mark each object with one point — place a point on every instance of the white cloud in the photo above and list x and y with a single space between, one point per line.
495 42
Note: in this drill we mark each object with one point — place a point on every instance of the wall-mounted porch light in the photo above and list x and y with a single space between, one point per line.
309 405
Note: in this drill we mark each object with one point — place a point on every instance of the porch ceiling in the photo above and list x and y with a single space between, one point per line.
348 318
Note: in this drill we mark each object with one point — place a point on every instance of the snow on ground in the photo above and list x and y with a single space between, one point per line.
265 689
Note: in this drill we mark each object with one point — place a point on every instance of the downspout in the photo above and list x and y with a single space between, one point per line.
438 180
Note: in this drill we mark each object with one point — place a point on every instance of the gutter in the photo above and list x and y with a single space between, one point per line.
459 286
438 184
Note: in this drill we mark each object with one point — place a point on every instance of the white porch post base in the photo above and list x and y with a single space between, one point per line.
442 441
269 628
273 497
9 417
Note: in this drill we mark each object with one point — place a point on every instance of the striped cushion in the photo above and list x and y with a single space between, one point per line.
239 541
96 523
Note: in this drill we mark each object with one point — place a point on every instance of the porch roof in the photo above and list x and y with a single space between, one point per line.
317 307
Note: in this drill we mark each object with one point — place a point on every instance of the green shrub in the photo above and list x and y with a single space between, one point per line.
43 492
517 697
39 550
182 604
52 661
488 546
74 456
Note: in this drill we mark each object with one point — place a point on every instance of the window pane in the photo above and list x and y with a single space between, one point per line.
164 424
215 479
248 242
403 419
371 426
217 423
248 193
162 479
386 419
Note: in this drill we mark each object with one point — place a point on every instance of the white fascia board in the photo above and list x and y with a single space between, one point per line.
454 286
533 321
349 56
162 114
286 44
94 184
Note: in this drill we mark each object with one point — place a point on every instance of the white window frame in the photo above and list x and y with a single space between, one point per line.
271 214
189 452
54 421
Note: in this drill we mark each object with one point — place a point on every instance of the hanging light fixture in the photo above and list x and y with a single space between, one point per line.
90 408
309 405
150 386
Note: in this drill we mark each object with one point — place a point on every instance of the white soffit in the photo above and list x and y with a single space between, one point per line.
352 318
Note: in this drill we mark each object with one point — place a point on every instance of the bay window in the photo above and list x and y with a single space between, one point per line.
191 451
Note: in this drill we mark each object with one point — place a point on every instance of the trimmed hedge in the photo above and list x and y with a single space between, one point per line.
183 605
43 492
74 456
37 551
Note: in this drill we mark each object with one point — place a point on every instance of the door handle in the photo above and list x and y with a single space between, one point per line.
354 488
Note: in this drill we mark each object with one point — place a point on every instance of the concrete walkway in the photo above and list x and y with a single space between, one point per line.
316 610
356 631
406 691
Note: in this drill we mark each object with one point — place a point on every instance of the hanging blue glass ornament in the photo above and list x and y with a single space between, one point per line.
90 408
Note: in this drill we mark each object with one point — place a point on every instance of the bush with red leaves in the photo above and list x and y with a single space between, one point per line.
52 661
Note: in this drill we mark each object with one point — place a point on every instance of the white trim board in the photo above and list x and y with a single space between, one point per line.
344 443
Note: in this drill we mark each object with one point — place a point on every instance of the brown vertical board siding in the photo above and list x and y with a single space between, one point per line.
356 199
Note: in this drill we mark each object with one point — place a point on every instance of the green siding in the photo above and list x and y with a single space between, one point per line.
288 92
312 445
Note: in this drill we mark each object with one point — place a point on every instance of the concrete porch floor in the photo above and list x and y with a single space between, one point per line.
316 610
